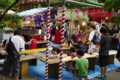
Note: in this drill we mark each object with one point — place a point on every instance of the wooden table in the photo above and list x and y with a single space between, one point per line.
32 51
25 61
54 63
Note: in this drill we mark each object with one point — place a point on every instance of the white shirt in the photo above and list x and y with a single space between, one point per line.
91 45
18 42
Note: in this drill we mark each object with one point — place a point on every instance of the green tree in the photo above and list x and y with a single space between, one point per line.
112 5
6 5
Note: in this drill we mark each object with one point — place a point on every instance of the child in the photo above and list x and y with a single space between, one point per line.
81 65
32 43
55 53
95 49
82 46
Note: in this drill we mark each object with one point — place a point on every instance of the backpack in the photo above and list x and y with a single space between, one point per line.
12 51
95 38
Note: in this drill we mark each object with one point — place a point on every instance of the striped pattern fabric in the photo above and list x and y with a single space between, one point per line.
94 50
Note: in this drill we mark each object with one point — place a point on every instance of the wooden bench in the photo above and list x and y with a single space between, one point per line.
32 51
25 61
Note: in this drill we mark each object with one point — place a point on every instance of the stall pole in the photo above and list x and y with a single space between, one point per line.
62 40
47 45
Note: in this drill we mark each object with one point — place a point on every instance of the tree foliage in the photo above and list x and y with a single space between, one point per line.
112 5
6 5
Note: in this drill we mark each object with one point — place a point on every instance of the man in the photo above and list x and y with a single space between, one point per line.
97 26
18 42
104 52
91 35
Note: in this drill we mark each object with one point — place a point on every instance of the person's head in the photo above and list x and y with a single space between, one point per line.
103 25
91 20
97 45
76 46
18 32
88 25
4 43
55 51
80 53
103 30
30 37
92 27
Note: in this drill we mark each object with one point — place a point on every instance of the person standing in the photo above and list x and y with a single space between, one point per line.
19 45
91 35
104 52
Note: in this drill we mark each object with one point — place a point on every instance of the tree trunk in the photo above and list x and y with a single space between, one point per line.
16 1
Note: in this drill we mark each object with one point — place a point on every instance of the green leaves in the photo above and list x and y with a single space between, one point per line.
117 20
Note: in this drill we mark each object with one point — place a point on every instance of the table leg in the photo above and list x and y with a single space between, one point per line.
23 69
53 70
33 62
111 59
92 62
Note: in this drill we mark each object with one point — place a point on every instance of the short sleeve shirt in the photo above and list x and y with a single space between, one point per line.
82 67
18 42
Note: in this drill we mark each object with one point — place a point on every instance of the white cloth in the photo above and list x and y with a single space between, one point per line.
18 42
76 29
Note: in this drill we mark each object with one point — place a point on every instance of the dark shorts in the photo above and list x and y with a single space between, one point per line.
118 54
7 66
103 60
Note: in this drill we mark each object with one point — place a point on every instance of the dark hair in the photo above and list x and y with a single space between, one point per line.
30 37
88 24
92 26
18 32
79 42
4 43
76 46
80 52
103 30
103 25
91 19
56 49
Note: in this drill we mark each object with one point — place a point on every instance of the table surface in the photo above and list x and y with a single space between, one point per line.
22 58
39 50
42 57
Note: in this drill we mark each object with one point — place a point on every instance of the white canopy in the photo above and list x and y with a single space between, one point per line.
32 11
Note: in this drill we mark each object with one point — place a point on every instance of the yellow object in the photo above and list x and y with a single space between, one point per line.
65 44
31 51
84 41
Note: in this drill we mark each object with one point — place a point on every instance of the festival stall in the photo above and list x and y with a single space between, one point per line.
33 20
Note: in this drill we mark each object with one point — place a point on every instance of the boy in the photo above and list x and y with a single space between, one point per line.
32 43
55 53
81 65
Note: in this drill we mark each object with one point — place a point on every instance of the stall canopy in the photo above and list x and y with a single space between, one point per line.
33 11
74 14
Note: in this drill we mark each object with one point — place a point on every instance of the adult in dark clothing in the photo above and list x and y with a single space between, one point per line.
104 52
53 30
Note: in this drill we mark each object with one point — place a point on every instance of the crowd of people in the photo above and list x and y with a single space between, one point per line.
98 40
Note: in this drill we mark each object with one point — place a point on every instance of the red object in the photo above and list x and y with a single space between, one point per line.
72 56
98 14
33 44
36 37
57 37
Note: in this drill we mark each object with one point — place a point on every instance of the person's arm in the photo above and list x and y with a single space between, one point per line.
53 57
90 37
102 40
22 45
29 42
